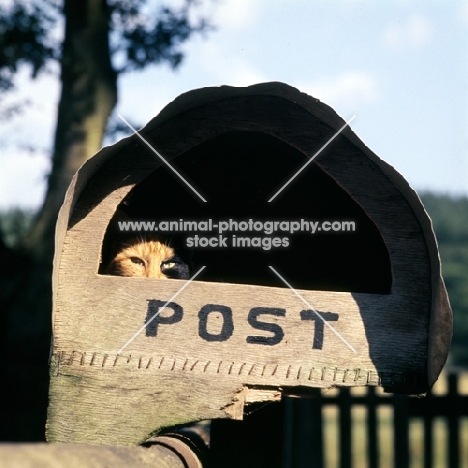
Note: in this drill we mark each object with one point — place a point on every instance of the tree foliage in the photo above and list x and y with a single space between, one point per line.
14 225
25 39
450 221
102 38
28 35
136 43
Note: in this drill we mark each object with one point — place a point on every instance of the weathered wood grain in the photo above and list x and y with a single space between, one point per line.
222 346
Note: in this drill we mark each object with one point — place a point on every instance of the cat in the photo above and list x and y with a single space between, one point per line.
148 257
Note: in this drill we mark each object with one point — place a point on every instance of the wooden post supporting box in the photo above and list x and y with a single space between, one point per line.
221 345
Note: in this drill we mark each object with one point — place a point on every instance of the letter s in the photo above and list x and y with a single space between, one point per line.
274 328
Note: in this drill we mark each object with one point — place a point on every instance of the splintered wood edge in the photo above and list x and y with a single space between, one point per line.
77 381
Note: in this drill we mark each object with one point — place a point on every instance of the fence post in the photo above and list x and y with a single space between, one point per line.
345 427
400 431
453 425
428 430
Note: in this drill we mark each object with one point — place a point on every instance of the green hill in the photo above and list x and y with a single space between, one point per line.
450 220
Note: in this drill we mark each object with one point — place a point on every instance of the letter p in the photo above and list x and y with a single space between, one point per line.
154 317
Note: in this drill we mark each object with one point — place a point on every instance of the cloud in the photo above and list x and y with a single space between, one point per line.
237 14
346 91
463 13
416 31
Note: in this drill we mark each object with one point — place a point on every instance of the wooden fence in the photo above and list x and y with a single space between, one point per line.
308 445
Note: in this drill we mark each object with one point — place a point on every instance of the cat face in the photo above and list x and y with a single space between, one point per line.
148 258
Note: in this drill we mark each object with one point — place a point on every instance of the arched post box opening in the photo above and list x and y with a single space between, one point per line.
237 172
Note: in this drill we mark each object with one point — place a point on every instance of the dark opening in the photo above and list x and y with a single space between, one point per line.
237 173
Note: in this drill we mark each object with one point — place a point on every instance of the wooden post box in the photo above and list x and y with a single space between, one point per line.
365 306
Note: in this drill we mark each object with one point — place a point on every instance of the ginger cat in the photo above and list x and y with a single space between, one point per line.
150 258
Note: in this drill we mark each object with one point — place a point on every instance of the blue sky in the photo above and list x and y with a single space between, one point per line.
400 66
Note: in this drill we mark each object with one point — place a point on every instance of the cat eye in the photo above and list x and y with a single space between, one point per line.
175 268
167 265
137 261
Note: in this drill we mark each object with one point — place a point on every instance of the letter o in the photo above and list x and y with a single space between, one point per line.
228 324
336 226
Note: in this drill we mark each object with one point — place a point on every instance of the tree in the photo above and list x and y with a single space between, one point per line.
103 38
99 35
